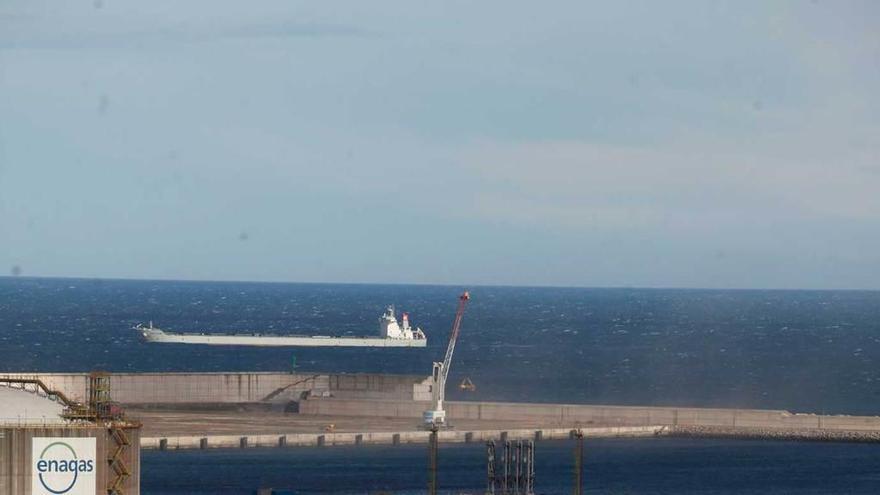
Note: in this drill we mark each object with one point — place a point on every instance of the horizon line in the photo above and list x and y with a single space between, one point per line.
429 284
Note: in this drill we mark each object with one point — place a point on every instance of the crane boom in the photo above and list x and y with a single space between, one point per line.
453 336
436 417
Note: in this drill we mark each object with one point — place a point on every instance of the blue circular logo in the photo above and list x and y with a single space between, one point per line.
61 459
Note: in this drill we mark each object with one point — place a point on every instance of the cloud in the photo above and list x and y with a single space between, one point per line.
294 29
582 183
25 31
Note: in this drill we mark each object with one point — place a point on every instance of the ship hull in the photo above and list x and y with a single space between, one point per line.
279 340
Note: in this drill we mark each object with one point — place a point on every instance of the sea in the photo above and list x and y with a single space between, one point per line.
803 351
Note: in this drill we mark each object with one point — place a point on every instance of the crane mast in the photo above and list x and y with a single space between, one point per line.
437 416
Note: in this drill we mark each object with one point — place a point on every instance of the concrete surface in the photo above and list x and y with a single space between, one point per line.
389 408
587 415
239 387
223 422
385 437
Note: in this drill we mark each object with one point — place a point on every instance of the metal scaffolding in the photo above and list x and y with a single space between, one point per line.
529 468
102 407
117 460
516 475
490 467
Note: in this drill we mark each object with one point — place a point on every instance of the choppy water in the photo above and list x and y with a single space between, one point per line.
798 350
810 351
649 466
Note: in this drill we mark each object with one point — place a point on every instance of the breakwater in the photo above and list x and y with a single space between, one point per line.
387 438
379 408
219 388
587 415
195 442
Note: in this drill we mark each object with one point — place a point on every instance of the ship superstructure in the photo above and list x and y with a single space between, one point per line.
391 334
389 329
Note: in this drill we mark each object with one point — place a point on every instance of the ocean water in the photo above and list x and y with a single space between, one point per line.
611 466
805 351
809 351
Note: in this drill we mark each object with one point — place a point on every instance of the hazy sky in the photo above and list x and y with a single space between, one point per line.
672 144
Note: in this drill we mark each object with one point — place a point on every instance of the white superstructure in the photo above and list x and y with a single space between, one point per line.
389 329
391 334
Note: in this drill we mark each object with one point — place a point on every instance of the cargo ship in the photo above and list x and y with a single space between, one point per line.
391 334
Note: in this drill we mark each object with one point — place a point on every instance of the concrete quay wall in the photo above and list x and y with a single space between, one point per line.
479 436
371 386
237 388
386 438
584 415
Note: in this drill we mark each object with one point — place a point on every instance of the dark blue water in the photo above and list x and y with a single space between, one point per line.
797 350
814 351
650 466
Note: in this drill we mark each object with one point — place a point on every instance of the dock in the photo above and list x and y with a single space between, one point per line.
386 438
245 409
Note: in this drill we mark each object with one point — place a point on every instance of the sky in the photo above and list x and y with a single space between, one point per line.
675 144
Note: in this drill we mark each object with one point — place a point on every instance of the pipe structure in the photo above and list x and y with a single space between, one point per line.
505 479
529 468
490 467
517 466
432 462
578 463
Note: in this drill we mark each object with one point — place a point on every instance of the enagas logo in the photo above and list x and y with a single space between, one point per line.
63 466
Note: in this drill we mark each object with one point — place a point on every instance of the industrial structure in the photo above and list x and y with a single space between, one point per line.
433 453
55 444
436 416
516 475
578 481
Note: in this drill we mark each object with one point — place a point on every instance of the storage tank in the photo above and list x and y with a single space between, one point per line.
43 452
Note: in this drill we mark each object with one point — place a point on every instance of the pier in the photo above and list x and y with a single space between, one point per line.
386 437
244 410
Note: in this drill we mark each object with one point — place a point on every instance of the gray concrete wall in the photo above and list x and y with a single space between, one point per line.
398 396
574 414
235 388
385 437
371 386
